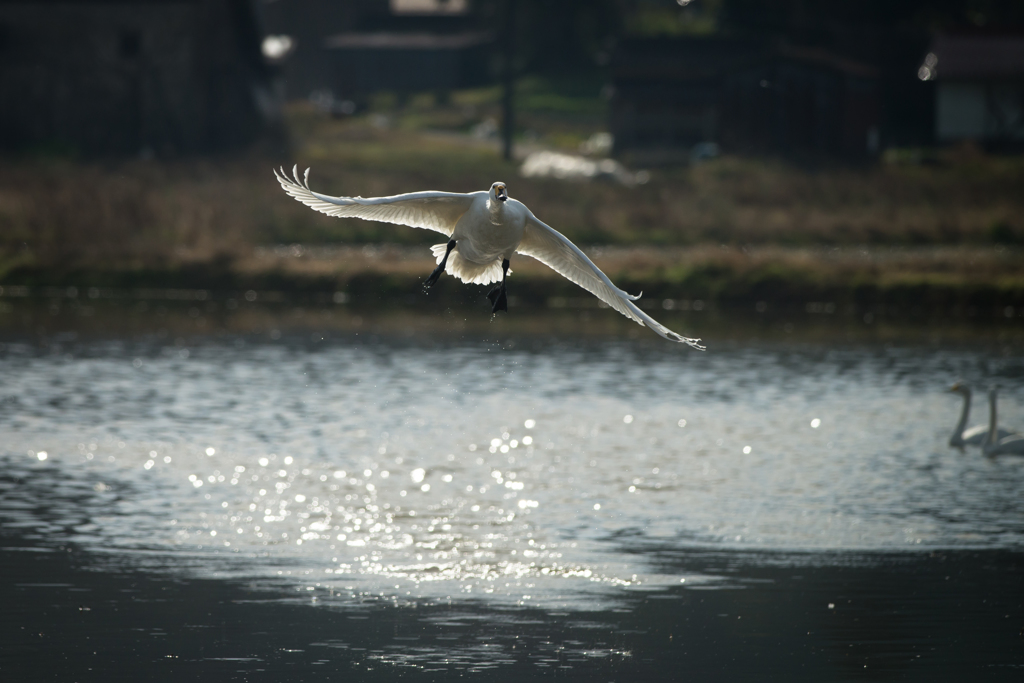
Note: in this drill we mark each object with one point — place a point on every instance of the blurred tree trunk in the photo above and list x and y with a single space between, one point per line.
508 78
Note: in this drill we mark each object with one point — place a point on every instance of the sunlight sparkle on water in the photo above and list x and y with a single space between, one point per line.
560 514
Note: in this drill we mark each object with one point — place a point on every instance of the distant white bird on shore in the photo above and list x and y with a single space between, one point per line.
484 229
975 436
993 443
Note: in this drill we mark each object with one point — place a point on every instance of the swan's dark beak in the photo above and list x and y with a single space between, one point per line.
500 193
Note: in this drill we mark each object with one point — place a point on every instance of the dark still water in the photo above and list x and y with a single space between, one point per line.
296 506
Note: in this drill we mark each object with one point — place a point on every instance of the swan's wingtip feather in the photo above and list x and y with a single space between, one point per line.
693 343
285 180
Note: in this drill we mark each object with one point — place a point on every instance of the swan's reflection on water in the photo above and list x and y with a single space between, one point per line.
548 478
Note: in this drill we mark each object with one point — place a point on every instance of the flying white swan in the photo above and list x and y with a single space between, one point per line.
993 445
975 435
484 230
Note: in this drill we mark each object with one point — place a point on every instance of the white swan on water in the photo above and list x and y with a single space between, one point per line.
484 230
993 444
974 436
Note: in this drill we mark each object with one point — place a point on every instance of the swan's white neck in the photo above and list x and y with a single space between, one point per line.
992 435
497 209
958 435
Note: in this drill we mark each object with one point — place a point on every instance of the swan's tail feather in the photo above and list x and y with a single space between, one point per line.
467 271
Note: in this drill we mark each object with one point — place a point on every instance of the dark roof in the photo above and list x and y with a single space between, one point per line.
828 60
979 56
429 7
710 58
406 41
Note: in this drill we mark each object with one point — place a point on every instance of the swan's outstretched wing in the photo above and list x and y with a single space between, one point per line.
438 211
554 250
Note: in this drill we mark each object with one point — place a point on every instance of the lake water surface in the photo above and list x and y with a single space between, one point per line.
525 480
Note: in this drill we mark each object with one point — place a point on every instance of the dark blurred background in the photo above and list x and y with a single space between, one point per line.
831 78
137 137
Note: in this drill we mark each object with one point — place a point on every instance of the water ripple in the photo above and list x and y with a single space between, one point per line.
401 472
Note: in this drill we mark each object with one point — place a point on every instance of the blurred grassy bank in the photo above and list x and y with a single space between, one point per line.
944 235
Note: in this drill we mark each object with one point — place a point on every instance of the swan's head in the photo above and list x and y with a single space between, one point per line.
960 388
499 192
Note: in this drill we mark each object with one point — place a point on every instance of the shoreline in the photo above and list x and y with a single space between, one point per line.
971 284
184 316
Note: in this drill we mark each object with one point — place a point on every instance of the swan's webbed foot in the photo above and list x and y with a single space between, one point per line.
429 282
493 294
499 300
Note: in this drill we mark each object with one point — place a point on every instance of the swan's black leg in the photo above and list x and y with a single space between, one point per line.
499 300
440 267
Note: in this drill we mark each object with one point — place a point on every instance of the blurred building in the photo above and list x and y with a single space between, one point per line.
150 76
407 62
303 26
347 50
979 93
744 95
802 101
667 93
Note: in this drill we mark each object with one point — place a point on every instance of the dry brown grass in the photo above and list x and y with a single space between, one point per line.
135 214
774 218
